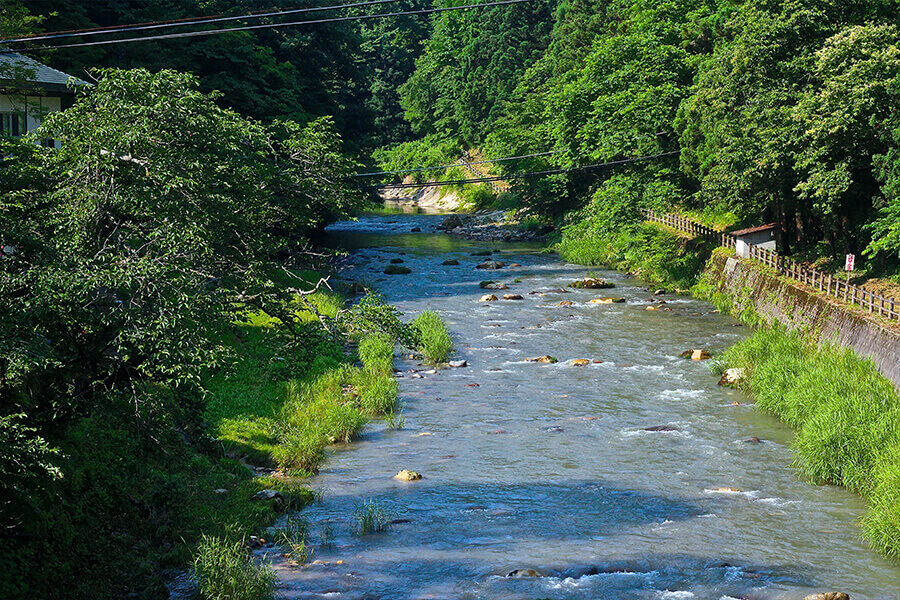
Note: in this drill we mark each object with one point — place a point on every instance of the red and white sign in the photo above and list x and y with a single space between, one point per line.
848 265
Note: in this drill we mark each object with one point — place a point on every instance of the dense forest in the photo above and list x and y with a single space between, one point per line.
181 212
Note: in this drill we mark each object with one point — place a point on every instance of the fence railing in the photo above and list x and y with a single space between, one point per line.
498 186
823 282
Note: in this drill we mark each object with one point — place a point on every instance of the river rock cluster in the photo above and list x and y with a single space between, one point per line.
490 226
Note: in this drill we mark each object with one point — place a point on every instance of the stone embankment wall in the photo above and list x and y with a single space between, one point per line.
751 285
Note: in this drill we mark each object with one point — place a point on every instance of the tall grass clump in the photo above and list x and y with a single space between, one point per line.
225 571
372 516
847 417
376 351
434 338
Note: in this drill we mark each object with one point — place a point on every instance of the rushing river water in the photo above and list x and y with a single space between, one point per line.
549 467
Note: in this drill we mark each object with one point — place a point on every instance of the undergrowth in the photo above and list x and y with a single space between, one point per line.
847 417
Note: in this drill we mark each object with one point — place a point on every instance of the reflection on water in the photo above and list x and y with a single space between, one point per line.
549 470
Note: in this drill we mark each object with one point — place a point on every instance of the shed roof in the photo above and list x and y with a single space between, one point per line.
761 228
39 75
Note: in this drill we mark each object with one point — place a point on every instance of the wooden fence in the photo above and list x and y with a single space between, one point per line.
825 283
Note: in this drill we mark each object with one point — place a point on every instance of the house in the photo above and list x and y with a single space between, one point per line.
761 237
28 91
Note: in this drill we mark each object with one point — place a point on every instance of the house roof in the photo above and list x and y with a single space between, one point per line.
761 228
37 75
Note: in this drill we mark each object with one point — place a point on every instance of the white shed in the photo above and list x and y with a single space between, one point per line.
762 237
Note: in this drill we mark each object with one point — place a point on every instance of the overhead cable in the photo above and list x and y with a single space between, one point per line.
480 162
191 34
184 22
623 161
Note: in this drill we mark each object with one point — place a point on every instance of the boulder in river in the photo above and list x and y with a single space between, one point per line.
523 573
458 364
580 362
828 596
397 270
607 301
491 265
652 308
496 286
397 261
591 283
488 298
514 265
451 222
696 354
566 303
733 377
659 292
407 475
416 230
512 296
661 428
753 440
450 262
546 359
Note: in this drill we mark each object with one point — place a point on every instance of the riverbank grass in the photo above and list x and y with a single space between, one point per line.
224 571
847 417
433 337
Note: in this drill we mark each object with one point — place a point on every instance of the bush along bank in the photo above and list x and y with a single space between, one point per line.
649 250
847 415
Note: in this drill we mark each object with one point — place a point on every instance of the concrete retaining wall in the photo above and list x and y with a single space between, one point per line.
749 283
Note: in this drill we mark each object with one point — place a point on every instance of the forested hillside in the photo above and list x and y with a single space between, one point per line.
751 112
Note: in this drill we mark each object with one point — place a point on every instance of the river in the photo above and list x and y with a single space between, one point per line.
549 467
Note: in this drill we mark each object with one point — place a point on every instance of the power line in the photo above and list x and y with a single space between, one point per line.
184 22
481 162
267 26
400 186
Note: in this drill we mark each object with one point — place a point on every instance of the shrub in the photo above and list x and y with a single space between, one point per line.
434 338
224 571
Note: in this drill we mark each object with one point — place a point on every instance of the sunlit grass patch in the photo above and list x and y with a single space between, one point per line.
847 417
434 338
224 570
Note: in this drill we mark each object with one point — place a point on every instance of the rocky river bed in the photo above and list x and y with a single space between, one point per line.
618 470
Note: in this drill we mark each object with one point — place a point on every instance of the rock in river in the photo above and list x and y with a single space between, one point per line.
697 354
546 359
566 303
488 298
458 364
732 377
828 596
591 283
397 261
661 428
491 265
450 262
580 362
512 297
607 301
451 222
407 475
397 270
523 573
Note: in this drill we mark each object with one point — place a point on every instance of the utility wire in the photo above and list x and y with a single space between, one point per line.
523 175
480 162
184 22
267 26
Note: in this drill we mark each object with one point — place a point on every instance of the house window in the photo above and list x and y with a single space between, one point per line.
12 124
